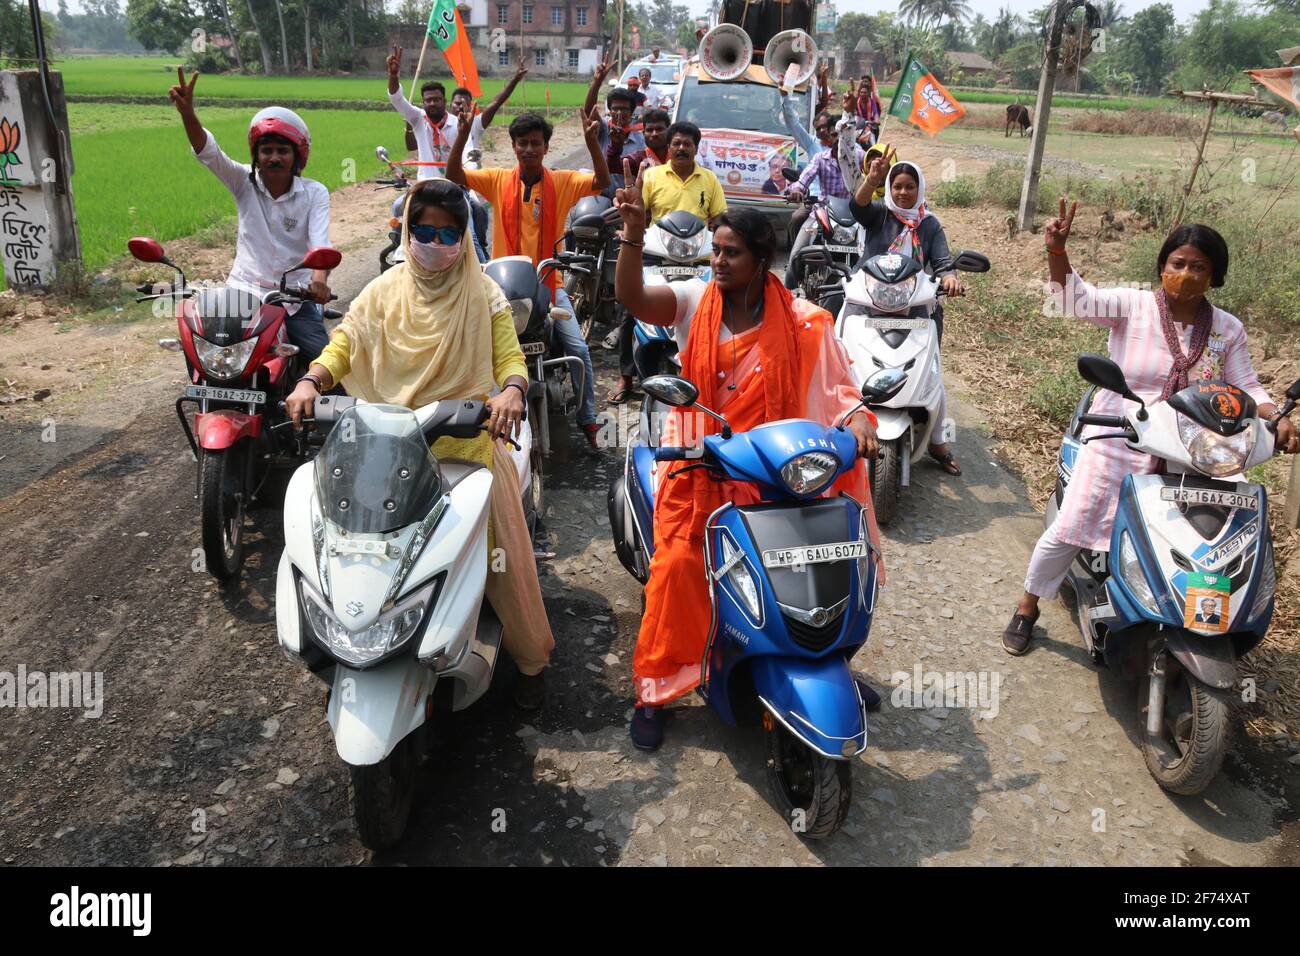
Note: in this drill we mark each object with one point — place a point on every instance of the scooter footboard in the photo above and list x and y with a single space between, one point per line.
815 699
370 711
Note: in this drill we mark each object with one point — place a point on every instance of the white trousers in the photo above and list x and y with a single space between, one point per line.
1049 564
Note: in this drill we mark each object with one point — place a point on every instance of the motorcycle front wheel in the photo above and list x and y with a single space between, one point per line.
1193 736
382 794
812 792
223 498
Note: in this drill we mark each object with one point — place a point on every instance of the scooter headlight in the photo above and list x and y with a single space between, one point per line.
809 473
523 311
891 297
685 250
387 634
1130 569
1214 454
844 236
224 361
742 582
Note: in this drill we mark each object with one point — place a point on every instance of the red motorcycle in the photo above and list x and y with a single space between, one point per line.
241 367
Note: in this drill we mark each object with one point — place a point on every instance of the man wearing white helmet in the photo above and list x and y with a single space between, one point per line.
281 214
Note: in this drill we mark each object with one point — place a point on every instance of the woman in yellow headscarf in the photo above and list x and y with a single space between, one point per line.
436 327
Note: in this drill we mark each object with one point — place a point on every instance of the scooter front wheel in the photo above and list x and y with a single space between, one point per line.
812 792
1194 734
382 794
887 481
223 498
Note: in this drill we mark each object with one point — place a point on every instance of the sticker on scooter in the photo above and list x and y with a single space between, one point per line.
1209 496
1208 605
814 554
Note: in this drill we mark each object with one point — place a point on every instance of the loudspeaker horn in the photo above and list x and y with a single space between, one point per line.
790 48
725 52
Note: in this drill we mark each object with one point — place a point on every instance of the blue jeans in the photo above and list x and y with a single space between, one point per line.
572 343
306 329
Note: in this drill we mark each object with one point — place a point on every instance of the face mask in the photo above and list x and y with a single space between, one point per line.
434 257
1185 285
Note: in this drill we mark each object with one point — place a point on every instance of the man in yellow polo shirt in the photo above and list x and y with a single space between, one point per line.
681 183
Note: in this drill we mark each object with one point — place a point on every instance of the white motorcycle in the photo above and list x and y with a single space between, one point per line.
678 246
887 321
379 591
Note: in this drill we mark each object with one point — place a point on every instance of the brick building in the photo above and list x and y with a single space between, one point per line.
560 37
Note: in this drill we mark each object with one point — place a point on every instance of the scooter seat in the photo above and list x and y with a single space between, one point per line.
454 471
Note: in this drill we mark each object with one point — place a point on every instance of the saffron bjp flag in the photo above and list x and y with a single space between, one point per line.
1284 81
921 99
448 32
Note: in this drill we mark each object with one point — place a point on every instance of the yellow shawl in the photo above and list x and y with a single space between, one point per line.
416 337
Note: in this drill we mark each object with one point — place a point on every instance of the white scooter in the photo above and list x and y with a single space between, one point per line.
379 591
887 321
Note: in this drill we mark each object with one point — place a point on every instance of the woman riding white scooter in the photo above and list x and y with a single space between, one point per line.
900 223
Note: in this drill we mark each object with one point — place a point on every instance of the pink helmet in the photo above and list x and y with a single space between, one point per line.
278 121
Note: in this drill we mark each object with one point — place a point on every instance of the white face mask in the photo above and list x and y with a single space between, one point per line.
433 256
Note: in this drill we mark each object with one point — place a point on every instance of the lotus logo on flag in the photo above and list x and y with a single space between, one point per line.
922 101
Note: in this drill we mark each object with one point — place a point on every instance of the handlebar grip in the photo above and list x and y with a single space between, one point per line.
1108 421
671 453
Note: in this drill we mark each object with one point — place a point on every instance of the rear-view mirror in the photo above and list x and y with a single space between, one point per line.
883 385
146 249
969 261
671 390
322 257
790 173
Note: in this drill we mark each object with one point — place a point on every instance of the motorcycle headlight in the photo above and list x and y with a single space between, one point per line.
843 236
390 632
741 580
685 249
1267 583
809 473
889 297
523 311
224 361
1130 569
1214 454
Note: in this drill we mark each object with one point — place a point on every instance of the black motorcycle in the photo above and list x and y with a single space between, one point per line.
588 259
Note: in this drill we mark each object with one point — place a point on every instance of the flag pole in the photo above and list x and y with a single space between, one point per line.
418 64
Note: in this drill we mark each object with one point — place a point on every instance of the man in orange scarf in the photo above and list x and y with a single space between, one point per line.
758 356
529 206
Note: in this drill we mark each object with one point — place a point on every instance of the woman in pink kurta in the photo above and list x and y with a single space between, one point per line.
1163 341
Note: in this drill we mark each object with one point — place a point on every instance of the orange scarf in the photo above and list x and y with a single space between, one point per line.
547 235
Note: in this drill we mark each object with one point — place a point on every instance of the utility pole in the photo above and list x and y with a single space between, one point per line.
1042 112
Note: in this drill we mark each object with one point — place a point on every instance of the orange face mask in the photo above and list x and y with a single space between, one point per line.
1185 285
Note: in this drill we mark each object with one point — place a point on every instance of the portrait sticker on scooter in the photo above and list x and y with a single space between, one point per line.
1209 597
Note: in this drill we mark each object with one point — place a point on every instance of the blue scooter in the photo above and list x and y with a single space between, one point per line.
1187 585
792 585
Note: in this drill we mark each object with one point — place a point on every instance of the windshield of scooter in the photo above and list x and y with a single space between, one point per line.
375 472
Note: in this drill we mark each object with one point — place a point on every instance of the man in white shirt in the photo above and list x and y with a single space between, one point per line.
281 214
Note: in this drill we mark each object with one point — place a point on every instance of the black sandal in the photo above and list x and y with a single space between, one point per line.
946 461
1016 637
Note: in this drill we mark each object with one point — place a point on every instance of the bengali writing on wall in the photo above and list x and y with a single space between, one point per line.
25 245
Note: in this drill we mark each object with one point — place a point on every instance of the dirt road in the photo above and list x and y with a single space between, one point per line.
213 748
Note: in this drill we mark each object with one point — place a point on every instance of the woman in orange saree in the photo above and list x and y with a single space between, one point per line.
757 356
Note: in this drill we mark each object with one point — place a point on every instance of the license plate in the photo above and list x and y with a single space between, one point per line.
814 554
533 348
678 270
884 325
212 393
1210 496
852 249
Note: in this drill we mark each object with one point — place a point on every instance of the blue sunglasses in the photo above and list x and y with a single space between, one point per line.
443 235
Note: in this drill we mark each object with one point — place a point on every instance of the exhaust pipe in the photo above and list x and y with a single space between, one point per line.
1156 695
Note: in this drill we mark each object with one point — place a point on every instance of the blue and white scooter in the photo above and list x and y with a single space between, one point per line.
1194 581
792 587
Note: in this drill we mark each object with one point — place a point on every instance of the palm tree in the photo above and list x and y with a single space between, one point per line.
1112 12
942 10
